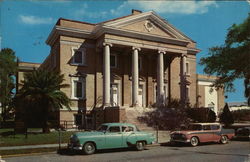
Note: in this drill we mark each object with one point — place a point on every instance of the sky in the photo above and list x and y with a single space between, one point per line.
26 24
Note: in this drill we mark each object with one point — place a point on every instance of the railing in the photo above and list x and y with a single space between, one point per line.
67 124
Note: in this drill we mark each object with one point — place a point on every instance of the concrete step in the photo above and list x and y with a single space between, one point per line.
132 115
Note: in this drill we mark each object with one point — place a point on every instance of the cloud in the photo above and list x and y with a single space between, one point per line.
161 7
34 20
174 7
83 11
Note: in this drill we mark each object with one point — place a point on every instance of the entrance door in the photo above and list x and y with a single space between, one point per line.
114 94
140 95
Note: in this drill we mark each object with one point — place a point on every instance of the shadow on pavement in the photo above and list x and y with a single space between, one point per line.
68 152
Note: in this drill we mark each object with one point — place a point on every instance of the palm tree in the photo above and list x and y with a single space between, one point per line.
8 68
41 90
247 88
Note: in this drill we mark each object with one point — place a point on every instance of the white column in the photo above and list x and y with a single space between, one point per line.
160 78
183 78
106 74
135 76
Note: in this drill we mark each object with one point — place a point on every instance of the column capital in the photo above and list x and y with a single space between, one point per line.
136 48
161 51
107 44
184 55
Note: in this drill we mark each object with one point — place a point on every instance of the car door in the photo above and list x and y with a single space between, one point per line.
127 132
207 133
216 131
113 137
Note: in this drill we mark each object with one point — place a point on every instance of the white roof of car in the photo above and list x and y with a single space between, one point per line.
207 123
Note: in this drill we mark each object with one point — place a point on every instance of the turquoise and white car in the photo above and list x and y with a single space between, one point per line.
109 136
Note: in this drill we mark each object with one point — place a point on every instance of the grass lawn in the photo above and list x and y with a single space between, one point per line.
7 153
7 137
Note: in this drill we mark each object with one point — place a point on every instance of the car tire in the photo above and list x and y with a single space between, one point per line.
223 139
89 148
140 145
194 141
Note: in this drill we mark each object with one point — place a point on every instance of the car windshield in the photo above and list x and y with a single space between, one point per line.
102 128
194 127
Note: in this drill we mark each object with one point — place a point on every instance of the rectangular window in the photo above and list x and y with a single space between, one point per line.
113 61
206 127
140 63
78 88
114 129
187 92
187 68
78 56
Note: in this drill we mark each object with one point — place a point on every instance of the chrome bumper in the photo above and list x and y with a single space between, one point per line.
72 147
180 140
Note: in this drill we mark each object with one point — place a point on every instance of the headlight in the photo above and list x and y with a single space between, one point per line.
183 136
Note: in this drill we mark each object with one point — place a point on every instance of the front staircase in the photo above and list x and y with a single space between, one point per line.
132 114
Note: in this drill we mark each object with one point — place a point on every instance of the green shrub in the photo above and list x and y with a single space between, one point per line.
167 117
226 116
201 114
241 115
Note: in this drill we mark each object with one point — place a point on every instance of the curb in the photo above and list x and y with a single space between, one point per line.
52 152
30 154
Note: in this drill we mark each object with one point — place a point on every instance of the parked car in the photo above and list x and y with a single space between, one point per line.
202 132
243 133
109 136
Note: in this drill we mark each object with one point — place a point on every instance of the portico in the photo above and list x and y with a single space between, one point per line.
137 90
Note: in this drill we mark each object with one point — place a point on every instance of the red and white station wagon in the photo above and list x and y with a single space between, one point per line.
202 132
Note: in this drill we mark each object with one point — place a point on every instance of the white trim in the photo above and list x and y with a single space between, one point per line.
165 88
83 51
119 91
211 97
145 45
205 83
83 81
78 44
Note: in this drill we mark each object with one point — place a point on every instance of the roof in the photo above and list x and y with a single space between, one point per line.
93 31
207 123
115 124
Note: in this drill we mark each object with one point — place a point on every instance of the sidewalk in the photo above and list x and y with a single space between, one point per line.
163 137
32 146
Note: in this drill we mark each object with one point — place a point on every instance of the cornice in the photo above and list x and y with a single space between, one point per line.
113 27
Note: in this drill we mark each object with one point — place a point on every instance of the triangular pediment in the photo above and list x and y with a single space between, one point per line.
146 23
149 27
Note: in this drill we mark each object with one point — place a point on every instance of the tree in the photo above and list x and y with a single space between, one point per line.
41 91
231 60
201 114
226 116
168 117
8 68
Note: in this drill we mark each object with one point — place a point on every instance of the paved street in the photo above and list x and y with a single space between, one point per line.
233 152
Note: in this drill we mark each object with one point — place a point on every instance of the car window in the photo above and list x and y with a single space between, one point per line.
124 128
102 128
215 127
206 127
127 129
114 129
194 127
